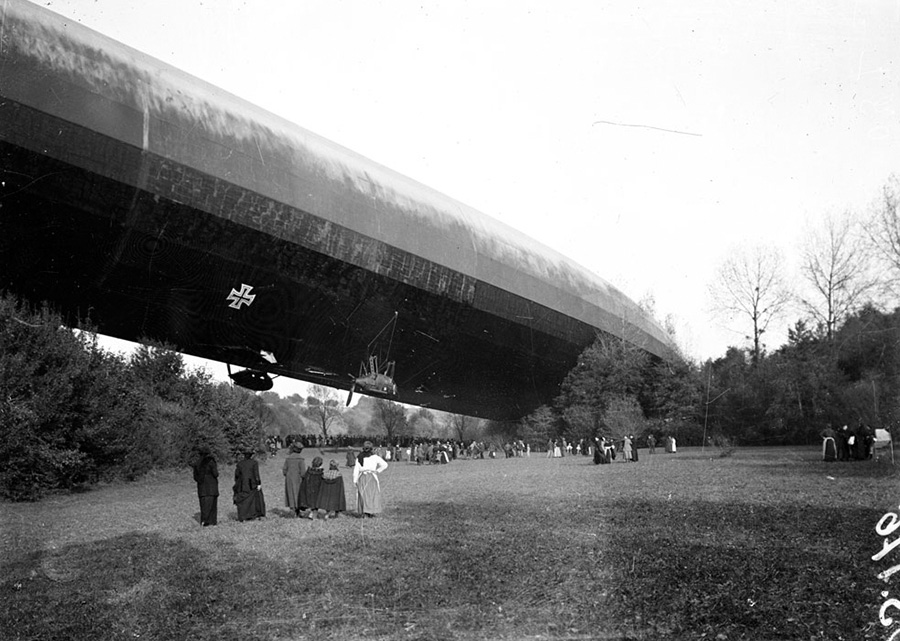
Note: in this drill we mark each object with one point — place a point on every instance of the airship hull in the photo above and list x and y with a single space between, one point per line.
161 207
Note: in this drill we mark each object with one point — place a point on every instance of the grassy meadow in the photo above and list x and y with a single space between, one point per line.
763 544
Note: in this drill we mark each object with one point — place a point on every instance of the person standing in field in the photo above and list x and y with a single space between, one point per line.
248 496
331 492
293 469
365 477
206 475
841 438
310 486
626 449
651 443
829 449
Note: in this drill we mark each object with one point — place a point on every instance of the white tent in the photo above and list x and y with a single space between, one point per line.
883 439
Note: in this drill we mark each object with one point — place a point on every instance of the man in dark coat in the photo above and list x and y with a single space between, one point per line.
206 475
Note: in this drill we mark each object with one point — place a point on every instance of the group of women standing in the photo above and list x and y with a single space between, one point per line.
309 491
314 491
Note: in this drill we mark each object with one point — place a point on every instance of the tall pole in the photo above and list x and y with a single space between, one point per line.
706 417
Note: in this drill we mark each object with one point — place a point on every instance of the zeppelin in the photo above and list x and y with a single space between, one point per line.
161 207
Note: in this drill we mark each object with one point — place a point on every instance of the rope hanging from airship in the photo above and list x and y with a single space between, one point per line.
376 378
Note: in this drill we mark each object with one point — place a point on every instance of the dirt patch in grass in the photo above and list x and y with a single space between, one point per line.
764 544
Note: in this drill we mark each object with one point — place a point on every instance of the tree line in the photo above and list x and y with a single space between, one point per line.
72 413
840 364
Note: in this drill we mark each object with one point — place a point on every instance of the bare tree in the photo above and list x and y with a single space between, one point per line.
324 407
465 427
751 283
836 266
883 228
392 417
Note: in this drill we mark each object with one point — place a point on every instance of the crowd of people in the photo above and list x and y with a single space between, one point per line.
848 443
605 449
312 491
309 491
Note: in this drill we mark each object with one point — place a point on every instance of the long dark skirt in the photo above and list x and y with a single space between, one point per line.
209 510
250 505
308 497
331 495
829 451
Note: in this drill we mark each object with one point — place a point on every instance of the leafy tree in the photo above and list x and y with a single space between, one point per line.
610 368
623 416
160 368
499 431
283 415
538 427
869 357
54 434
804 379
728 381
423 422
239 413
672 390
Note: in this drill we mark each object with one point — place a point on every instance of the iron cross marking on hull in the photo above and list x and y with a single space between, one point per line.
241 297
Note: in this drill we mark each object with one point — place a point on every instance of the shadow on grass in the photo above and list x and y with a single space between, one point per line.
151 587
648 570
748 571
493 566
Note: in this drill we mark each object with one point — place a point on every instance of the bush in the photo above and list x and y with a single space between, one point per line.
72 414
53 432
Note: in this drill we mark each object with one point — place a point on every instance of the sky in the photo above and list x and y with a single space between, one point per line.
645 142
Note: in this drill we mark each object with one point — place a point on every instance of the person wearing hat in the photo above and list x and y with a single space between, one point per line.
365 477
206 475
248 495
294 469
331 493
309 488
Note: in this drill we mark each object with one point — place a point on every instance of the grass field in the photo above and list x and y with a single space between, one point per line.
764 544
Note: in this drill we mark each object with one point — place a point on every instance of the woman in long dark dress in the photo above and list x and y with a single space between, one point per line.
309 487
293 469
331 493
829 449
248 496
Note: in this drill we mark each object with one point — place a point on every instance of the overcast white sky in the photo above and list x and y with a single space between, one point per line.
644 142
